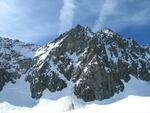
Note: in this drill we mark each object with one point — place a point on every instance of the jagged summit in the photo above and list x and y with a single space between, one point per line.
79 27
80 32
95 62
89 65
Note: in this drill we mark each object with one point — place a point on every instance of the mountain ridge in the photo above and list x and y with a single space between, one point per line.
95 62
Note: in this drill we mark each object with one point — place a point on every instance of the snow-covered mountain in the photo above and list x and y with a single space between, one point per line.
78 67
97 64
15 59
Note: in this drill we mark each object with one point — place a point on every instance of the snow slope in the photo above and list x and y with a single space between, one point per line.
17 94
134 99
131 104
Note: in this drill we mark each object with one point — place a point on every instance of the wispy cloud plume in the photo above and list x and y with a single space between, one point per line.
119 14
108 8
66 15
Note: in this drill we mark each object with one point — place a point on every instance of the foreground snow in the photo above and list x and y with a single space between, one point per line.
134 99
131 104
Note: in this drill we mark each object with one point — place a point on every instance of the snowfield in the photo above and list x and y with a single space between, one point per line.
131 104
134 99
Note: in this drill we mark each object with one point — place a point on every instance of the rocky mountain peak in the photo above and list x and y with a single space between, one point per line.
92 66
107 30
95 62
79 28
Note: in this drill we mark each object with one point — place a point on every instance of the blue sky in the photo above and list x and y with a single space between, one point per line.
41 21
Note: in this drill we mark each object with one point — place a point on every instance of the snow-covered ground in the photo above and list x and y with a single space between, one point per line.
134 99
131 104
17 94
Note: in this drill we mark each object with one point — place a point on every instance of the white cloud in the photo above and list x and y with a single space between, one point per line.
66 15
116 14
4 7
20 20
107 9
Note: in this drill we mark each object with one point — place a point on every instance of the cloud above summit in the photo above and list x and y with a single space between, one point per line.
66 15
41 21
108 8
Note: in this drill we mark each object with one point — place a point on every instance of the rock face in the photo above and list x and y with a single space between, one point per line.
97 64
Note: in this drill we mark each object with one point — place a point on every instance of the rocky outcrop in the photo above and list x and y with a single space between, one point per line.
15 60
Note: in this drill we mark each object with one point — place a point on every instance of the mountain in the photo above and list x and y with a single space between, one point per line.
15 59
97 63
89 65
